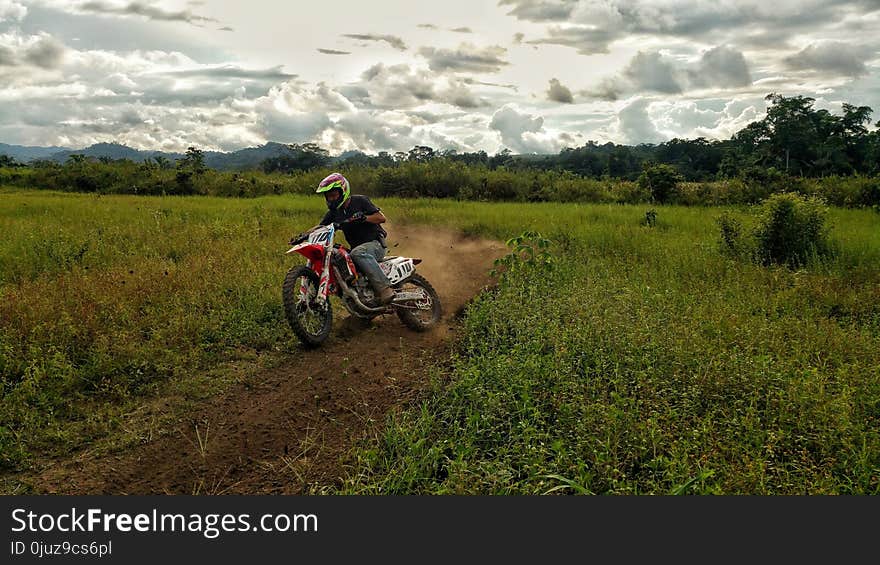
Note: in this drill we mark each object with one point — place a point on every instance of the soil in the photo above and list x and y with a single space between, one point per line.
291 429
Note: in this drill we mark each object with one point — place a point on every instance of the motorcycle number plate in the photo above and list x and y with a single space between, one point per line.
320 236
397 269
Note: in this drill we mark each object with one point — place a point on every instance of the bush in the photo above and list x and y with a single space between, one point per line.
661 181
787 229
791 229
626 192
869 196
528 250
442 178
761 182
733 237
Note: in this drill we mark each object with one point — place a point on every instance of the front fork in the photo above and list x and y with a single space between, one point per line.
322 296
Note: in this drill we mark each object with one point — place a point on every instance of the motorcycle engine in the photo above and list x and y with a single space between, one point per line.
364 290
340 263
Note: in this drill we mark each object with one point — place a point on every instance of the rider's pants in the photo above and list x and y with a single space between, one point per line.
366 257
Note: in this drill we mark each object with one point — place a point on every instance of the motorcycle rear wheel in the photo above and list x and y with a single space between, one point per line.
310 321
428 311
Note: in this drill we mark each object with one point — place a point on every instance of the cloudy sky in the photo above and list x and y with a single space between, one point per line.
528 75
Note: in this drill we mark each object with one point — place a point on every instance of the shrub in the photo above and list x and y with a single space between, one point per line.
791 229
441 178
661 181
733 236
758 183
695 194
626 192
869 196
836 190
529 249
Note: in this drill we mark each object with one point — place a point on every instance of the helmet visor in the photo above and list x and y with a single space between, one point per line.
333 195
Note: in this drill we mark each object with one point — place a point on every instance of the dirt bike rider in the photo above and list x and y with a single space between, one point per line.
363 232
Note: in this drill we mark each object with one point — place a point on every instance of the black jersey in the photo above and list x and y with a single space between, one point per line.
356 233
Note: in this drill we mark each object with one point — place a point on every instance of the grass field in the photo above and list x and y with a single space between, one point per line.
643 361
647 362
107 299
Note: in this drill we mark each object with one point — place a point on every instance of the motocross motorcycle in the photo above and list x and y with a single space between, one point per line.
329 270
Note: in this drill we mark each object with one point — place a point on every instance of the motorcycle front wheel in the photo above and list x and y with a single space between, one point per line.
309 320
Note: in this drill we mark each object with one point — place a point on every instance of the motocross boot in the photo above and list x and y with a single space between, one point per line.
385 296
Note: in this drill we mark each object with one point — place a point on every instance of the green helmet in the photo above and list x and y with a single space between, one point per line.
332 182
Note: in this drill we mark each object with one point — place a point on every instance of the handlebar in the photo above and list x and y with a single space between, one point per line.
299 238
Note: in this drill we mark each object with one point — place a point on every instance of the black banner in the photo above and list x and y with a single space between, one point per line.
162 529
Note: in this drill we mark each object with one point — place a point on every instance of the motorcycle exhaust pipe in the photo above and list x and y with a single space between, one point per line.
353 295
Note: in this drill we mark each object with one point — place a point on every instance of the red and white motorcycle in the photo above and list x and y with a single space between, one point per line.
307 289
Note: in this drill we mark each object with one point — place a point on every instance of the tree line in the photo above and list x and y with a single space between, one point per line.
794 138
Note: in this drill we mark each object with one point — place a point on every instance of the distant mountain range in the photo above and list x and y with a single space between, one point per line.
25 154
249 158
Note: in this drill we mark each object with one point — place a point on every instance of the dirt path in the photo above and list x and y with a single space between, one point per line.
289 431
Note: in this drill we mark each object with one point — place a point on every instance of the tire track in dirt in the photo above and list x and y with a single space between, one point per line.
290 429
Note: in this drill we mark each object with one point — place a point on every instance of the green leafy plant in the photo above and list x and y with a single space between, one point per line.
529 249
733 238
791 229
788 229
869 196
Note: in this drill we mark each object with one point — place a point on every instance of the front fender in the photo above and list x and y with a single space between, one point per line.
311 251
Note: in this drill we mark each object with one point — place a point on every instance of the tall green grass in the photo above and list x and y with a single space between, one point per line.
646 361
103 300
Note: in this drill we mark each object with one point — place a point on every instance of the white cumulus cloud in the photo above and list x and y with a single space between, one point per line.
522 132
10 10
